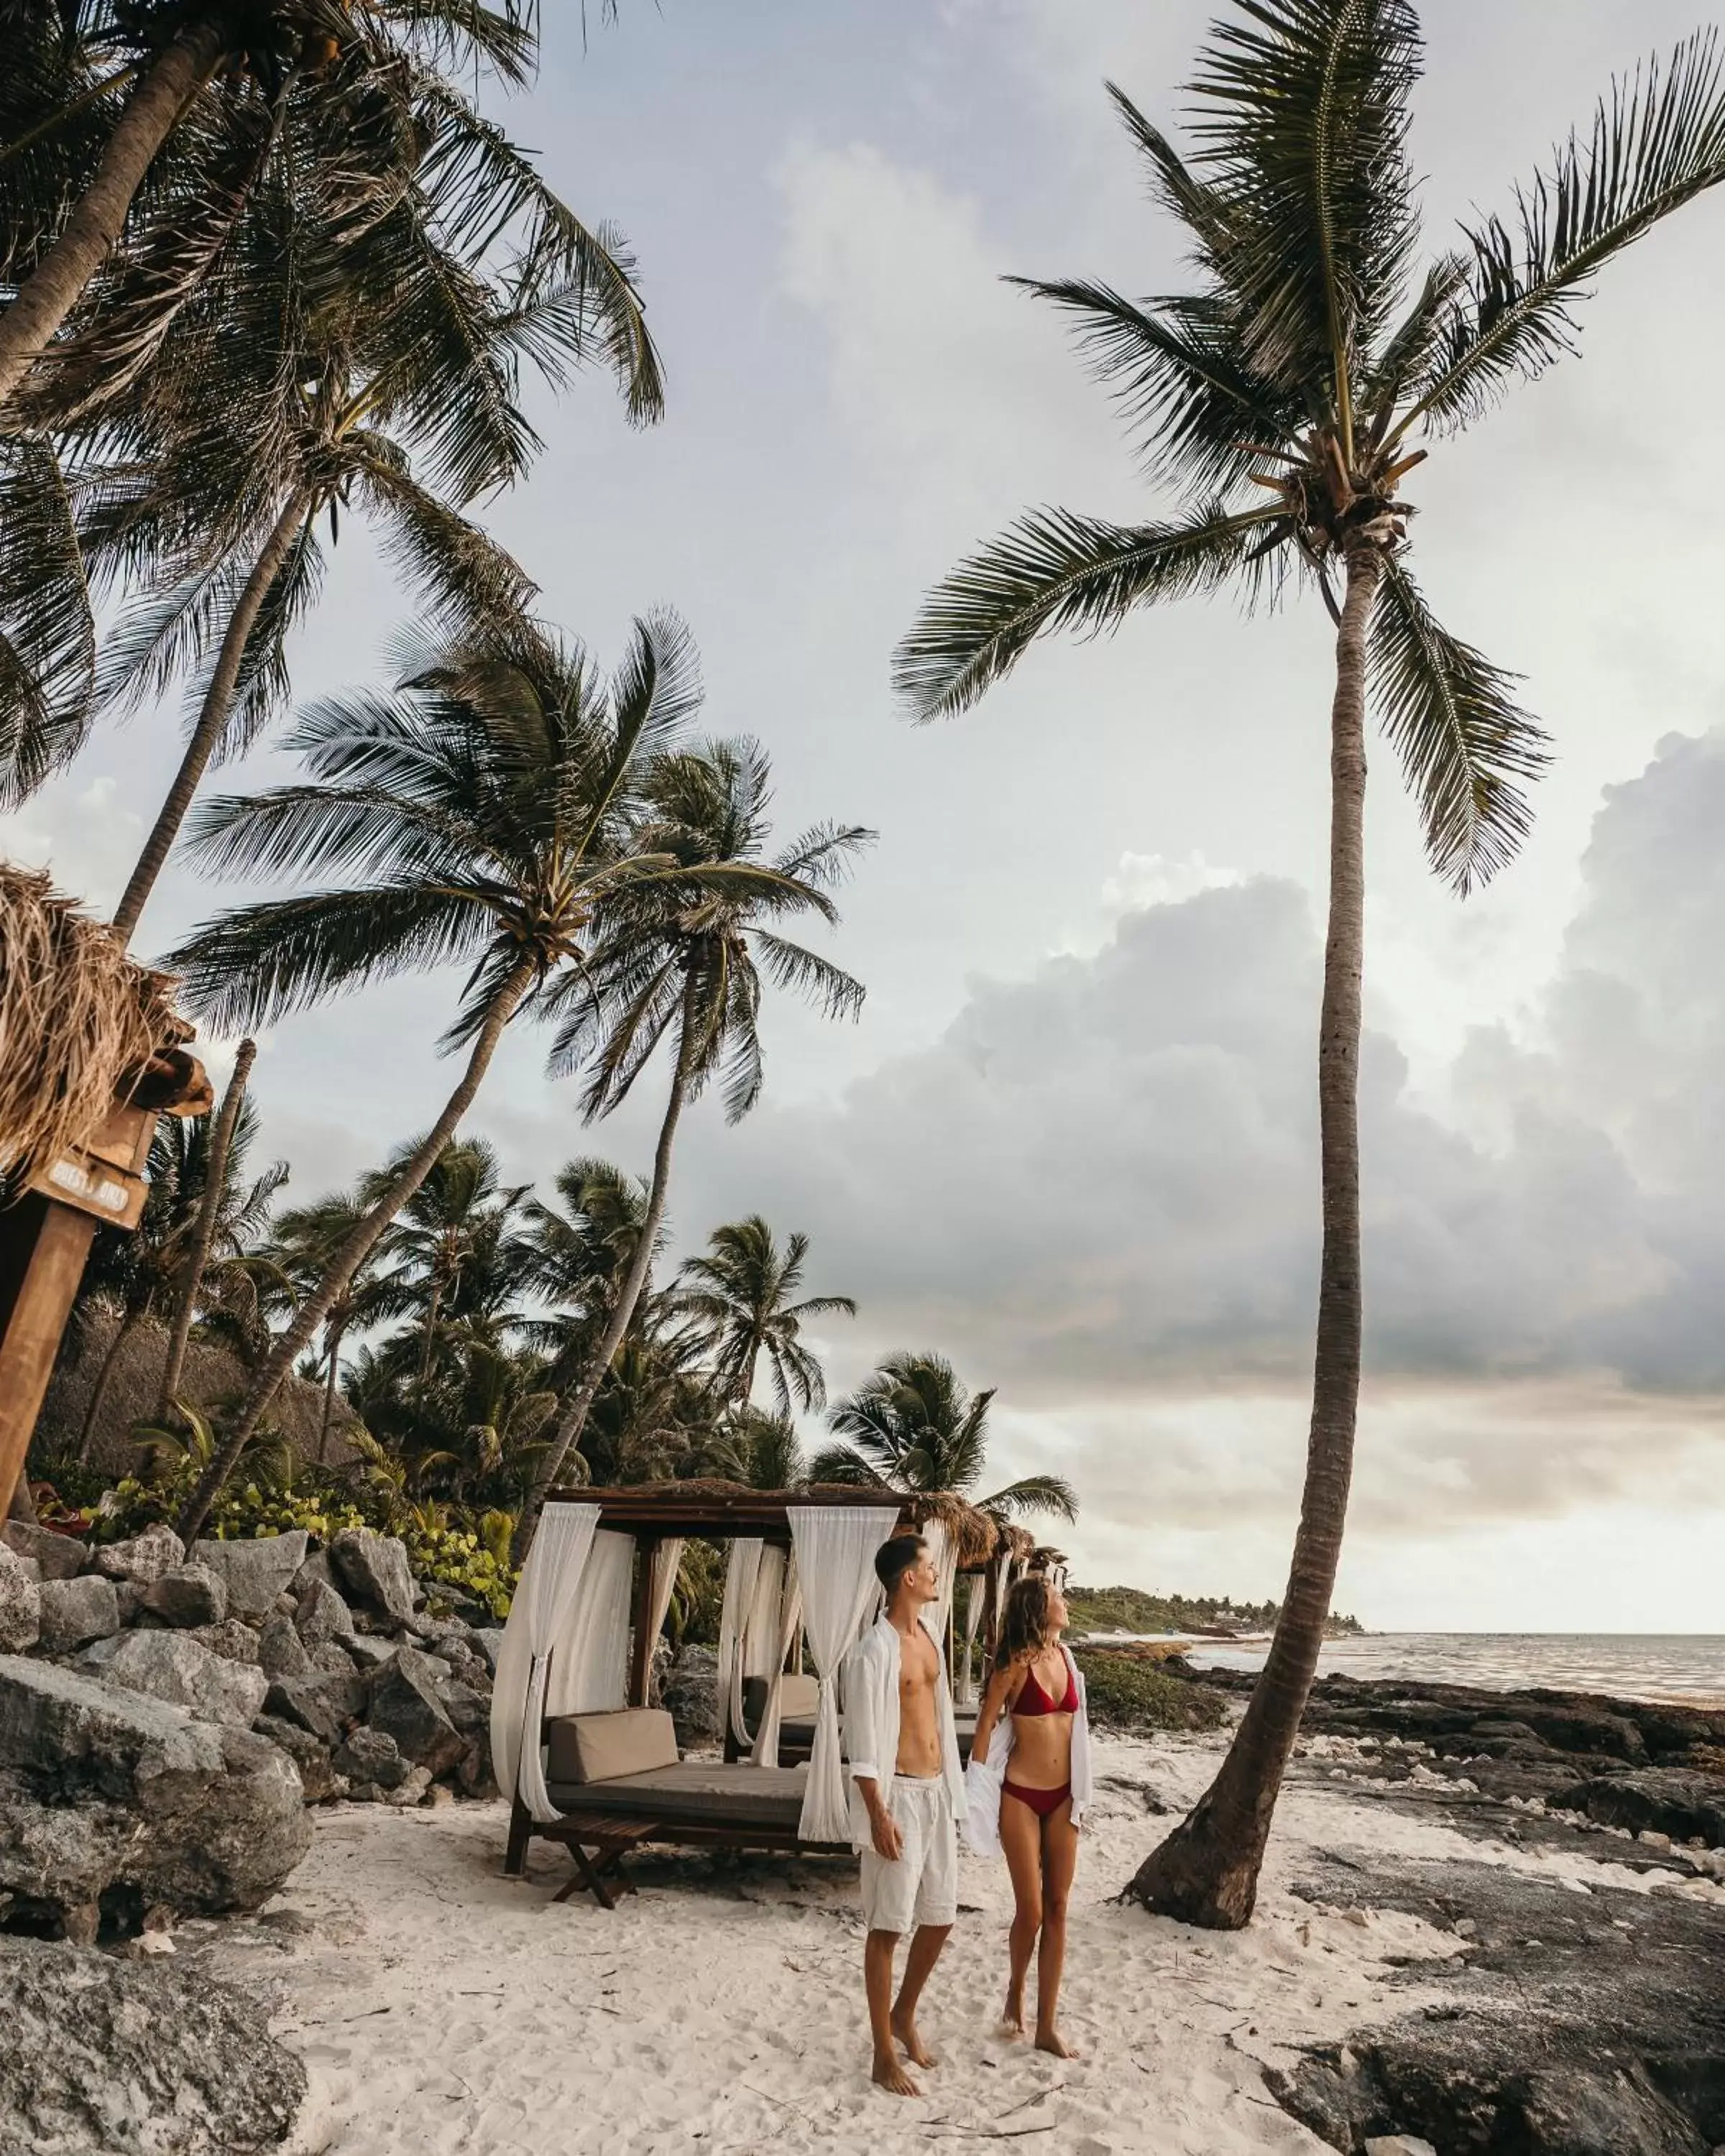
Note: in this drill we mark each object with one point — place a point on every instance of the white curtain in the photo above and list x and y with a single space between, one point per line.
835 1547
976 1593
667 1560
789 1613
742 1570
591 1671
943 1549
538 1622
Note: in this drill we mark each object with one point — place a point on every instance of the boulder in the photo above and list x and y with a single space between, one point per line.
404 1705
368 1755
20 1602
59 1557
75 1611
487 1639
470 1711
145 1557
234 1640
188 1594
318 1778
323 1702
112 1802
375 1568
1398 2144
129 1600
1681 1802
281 1653
133 2057
411 1789
367 1653
173 1667
323 1615
256 1572
333 1658
316 1568
691 1693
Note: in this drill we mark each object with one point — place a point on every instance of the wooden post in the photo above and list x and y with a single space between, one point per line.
43 1248
640 1672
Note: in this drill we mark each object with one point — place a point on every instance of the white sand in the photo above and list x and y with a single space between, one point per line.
443 2009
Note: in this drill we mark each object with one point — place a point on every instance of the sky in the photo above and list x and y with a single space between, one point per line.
1072 1141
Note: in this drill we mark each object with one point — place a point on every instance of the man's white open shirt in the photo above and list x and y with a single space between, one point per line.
869 1687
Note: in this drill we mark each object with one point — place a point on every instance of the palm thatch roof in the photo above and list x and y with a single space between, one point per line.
80 1022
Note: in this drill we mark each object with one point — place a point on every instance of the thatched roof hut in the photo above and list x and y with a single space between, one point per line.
81 1026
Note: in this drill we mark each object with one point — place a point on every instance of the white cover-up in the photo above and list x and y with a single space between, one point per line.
835 1547
984 1777
872 1678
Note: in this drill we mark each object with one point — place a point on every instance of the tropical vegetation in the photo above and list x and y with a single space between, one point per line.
1279 405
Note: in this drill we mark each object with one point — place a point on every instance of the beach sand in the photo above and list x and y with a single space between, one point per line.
441 2008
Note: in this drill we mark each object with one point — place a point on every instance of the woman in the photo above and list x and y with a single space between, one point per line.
1028 1785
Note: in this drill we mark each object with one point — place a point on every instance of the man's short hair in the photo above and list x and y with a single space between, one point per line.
894 1560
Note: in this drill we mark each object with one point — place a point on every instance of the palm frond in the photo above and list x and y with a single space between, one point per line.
47 649
1034 1493
1051 570
1465 744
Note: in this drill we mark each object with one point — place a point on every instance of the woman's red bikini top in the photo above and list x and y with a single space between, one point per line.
1033 1700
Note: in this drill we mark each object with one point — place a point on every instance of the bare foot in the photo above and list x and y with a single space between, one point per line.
1051 2040
916 2049
1012 2022
890 2075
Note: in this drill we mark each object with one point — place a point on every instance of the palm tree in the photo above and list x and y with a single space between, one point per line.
1275 403
136 130
578 1257
913 1426
455 1254
203 1236
347 343
753 1447
305 1240
691 976
481 814
741 1297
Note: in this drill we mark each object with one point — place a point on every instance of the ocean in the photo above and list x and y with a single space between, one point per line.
1683 1667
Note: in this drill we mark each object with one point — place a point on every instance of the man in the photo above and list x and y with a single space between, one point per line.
907 1799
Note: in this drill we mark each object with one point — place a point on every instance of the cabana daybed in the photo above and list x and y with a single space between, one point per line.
574 1667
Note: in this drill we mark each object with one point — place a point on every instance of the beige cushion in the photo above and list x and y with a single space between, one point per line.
597 1747
796 1699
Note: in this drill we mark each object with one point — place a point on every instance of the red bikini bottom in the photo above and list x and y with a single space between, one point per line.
1042 1802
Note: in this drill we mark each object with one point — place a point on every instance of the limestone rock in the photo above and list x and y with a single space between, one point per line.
281 1653
369 1653
134 2056
112 1802
158 1549
322 1702
20 1602
173 1667
368 1755
316 1568
1398 2144
404 1705
375 1567
256 1572
323 1615
318 1777
75 1611
188 1594
232 1639
332 1658
411 1789
486 1639
691 1693
59 1557
1680 1802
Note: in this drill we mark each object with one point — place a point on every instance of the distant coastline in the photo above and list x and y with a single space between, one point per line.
1202 1616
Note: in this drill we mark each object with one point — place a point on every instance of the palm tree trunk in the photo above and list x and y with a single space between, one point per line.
574 1417
356 1246
53 287
1206 1872
128 1325
213 714
197 1257
332 1347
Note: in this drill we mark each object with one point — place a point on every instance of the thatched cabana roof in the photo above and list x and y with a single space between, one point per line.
708 1506
81 1025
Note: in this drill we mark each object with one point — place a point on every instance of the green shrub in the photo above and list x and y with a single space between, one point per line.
1134 1693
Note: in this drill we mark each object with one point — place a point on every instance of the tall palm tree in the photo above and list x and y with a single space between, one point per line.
913 1426
351 338
305 1240
481 814
741 1296
136 128
456 1252
579 1255
686 968
1277 404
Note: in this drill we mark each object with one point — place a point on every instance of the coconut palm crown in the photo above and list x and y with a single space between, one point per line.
914 1426
741 1298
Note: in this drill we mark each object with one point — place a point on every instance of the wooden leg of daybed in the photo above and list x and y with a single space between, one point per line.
521 1833
588 1875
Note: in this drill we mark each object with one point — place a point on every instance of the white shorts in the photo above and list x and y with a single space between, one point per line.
922 1887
